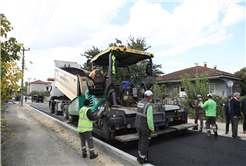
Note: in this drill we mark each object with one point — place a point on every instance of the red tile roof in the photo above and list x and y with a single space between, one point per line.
192 71
50 79
38 82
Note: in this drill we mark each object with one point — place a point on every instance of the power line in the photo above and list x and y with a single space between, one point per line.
44 28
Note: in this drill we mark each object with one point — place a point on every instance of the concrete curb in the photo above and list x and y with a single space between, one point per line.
109 150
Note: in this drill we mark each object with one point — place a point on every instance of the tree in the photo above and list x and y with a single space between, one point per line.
159 92
10 72
242 83
201 86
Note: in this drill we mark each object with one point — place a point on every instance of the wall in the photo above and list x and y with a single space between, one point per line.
38 87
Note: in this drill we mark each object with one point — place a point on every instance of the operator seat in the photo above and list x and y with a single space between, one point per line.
99 84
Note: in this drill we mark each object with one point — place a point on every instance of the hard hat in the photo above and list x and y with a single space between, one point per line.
148 93
157 99
198 96
209 95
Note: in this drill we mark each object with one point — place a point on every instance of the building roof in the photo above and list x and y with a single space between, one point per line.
38 82
193 71
50 79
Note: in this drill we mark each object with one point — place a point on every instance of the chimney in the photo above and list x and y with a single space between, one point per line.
215 67
205 64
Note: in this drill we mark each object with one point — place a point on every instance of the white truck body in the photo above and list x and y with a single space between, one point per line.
69 84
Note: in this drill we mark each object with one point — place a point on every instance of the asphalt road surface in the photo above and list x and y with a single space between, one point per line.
184 147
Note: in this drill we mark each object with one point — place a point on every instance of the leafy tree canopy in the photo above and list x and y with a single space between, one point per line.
242 74
132 43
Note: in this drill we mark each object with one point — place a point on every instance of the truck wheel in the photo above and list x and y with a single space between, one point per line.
71 118
51 107
65 112
56 110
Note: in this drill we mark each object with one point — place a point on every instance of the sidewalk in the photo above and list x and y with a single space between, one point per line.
33 140
221 129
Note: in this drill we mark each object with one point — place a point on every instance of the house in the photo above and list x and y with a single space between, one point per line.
220 81
37 86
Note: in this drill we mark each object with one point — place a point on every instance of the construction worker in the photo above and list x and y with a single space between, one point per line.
85 127
210 106
198 113
93 73
145 126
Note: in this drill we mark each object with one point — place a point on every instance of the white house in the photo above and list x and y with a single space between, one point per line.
37 86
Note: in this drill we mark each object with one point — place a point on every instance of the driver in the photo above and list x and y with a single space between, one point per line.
93 73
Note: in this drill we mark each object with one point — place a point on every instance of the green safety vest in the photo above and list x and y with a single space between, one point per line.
113 65
84 123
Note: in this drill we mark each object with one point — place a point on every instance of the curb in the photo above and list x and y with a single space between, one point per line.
109 150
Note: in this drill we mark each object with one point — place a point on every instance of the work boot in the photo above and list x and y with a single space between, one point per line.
226 132
215 134
144 161
84 155
138 158
208 134
93 156
200 130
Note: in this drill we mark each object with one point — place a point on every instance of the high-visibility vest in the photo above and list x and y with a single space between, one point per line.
84 123
113 64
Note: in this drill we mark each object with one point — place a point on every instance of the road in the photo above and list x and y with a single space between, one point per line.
184 147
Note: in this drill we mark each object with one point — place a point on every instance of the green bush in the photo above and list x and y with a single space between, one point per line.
43 93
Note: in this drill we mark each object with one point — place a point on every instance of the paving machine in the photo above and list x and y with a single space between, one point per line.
117 101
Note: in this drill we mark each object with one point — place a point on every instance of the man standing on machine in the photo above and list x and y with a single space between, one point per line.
145 126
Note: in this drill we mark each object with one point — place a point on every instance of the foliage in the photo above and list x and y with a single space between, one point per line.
159 92
138 44
9 48
242 83
42 93
200 87
174 94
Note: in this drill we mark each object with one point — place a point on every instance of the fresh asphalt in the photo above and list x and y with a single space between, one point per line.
182 148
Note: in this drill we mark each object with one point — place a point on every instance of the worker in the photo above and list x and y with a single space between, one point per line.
114 65
145 126
85 127
210 106
198 113
25 98
93 73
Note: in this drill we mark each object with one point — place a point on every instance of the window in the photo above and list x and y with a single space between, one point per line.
182 89
212 88
232 90
176 87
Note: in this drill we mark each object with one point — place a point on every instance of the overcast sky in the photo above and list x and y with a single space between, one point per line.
181 33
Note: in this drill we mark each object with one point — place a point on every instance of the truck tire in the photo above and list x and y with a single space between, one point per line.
56 110
72 118
65 112
51 105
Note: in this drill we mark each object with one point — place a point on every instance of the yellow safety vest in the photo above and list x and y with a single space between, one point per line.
84 123
113 65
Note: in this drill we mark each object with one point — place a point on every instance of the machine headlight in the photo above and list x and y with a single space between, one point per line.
128 126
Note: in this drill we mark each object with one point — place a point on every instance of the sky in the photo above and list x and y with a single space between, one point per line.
180 33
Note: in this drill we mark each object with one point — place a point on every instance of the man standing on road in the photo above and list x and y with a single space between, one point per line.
199 113
145 126
243 112
85 127
25 98
227 108
6 102
210 106
235 114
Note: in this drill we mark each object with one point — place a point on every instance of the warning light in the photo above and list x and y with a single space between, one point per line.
124 48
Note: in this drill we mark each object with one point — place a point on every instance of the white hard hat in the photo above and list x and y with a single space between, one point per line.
148 93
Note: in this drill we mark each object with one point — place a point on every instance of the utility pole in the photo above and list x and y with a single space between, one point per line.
29 84
196 67
23 66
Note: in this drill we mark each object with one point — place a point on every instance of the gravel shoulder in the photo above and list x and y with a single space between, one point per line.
30 139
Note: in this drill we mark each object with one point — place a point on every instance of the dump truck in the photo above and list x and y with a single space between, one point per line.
115 101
